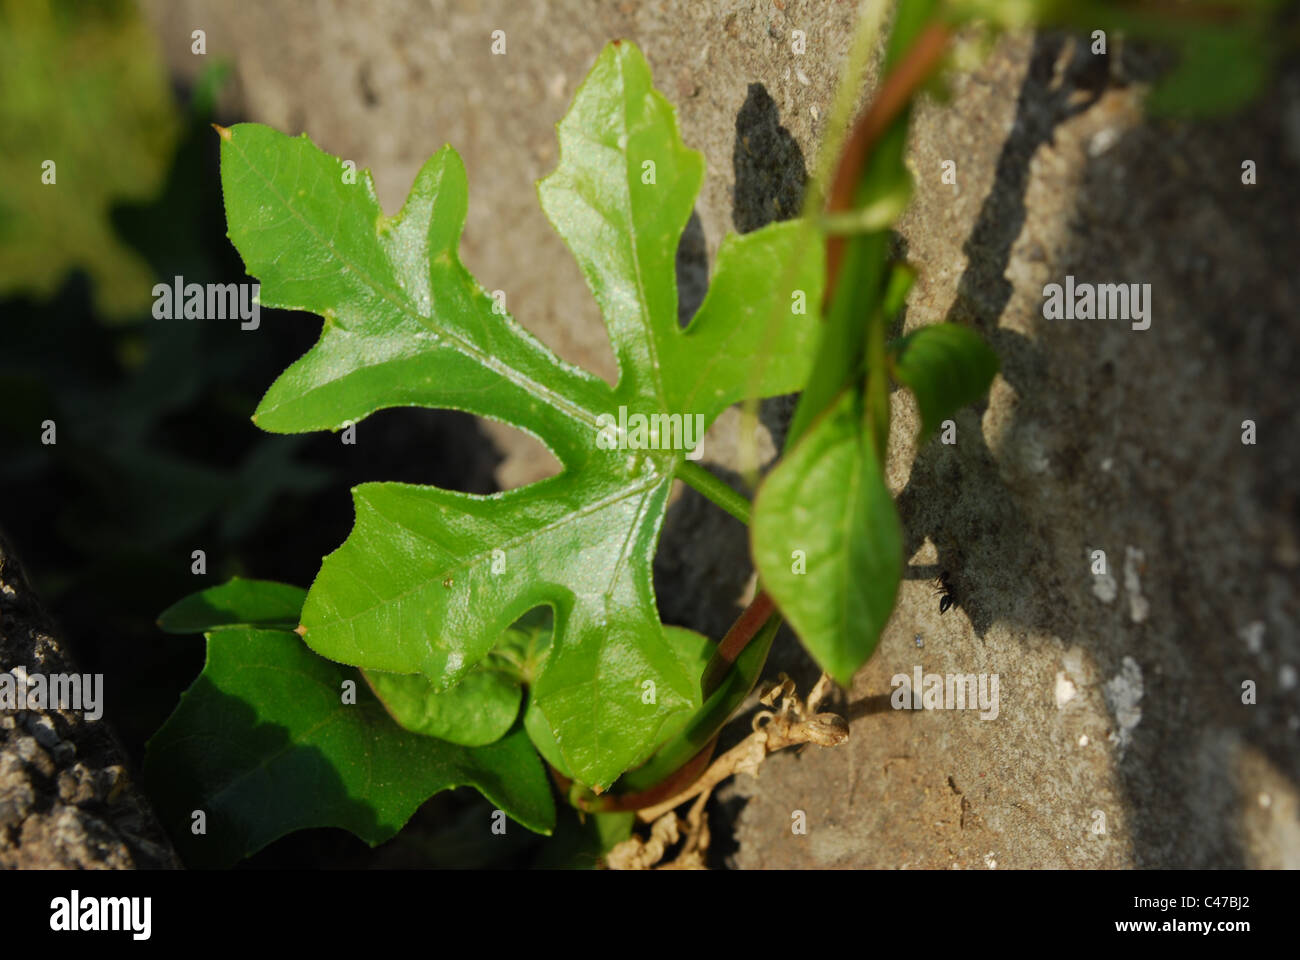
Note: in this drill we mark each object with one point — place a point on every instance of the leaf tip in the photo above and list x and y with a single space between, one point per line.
222 132
301 630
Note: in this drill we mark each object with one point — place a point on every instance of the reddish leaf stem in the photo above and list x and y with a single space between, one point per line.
744 630
898 88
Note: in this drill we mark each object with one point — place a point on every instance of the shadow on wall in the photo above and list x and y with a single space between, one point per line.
767 163
957 499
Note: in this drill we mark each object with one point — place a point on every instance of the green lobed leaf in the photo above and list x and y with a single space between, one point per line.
946 366
429 579
263 744
827 542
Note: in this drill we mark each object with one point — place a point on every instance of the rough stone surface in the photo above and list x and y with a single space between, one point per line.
1121 701
1120 693
66 799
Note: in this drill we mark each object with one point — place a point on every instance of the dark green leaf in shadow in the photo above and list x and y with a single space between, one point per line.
264 743
238 603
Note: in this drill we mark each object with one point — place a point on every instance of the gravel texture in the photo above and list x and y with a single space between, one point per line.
67 798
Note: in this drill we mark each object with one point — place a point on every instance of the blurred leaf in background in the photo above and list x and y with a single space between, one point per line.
153 438
81 85
155 455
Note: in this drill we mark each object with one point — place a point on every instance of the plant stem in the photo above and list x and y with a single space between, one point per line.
715 489
894 94
899 86
751 620
876 387
870 20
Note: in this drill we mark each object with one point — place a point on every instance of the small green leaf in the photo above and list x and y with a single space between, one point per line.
613 828
827 542
263 744
581 840
478 710
238 603
484 705
899 285
946 366
692 650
